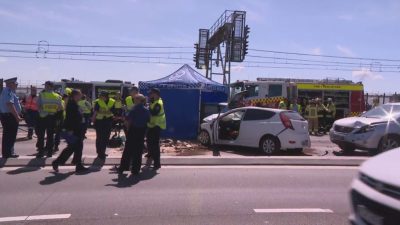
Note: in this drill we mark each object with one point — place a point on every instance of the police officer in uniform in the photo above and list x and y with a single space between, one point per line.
130 100
156 124
10 109
50 110
282 105
86 108
102 119
60 121
295 106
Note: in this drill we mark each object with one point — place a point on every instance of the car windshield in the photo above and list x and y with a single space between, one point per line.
382 111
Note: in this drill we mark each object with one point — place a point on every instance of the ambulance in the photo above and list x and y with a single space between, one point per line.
347 95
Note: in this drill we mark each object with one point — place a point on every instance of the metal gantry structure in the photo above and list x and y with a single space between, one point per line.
225 42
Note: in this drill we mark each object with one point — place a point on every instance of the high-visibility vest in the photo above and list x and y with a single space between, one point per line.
282 105
331 110
64 108
31 103
105 109
158 120
50 103
129 101
118 104
294 109
85 106
312 112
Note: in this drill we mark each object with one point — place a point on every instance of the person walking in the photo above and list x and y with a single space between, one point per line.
136 123
32 113
312 116
86 108
10 110
74 128
156 124
102 119
50 110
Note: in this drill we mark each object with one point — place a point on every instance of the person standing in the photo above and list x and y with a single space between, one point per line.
136 123
282 105
32 113
312 116
86 108
50 110
10 109
102 119
331 114
130 100
295 106
60 121
321 116
156 124
74 126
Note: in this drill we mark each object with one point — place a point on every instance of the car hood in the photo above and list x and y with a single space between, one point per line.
358 121
384 167
210 118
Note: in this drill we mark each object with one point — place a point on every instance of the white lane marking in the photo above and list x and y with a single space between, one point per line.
300 210
37 217
206 167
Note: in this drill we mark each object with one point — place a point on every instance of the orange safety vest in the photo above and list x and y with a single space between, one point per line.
31 103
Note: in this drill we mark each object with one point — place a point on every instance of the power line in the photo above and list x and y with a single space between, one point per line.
96 46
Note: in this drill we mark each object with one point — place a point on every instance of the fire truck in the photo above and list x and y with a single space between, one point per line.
268 92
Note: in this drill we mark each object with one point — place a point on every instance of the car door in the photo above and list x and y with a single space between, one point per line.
254 125
225 128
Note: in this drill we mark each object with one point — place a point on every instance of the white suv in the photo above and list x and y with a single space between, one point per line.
375 193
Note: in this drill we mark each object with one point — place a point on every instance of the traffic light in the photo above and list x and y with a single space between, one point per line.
246 39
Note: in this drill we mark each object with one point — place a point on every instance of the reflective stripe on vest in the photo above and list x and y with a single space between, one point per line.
85 106
160 119
31 103
118 104
129 102
104 109
50 103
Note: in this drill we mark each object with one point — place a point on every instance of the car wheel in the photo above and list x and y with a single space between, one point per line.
204 138
388 142
269 145
346 148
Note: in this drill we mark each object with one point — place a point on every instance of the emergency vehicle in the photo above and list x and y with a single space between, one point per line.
268 92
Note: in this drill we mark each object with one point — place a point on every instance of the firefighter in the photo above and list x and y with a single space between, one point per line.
50 109
295 106
282 104
321 115
156 124
331 114
86 108
130 100
32 112
312 116
102 119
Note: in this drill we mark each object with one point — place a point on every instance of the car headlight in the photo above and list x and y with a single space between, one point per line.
365 129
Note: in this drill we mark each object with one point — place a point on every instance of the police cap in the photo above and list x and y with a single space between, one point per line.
49 83
11 80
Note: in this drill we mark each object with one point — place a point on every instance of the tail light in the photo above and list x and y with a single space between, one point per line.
286 121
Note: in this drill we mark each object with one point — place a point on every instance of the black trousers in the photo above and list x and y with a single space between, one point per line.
153 144
10 129
31 118
75 148
46 125
133 149
87 117
103 131
57 132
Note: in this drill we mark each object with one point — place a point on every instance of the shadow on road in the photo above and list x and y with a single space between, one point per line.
124 181
96 165
33 165
57 177
355 153
246 151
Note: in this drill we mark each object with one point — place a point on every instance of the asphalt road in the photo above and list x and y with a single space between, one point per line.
178 195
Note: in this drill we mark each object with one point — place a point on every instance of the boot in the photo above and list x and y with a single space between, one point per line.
55 166
80 168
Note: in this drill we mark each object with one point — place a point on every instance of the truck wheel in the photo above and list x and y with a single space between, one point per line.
269 145
204 138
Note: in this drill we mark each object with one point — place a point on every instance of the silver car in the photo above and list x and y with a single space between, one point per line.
377 130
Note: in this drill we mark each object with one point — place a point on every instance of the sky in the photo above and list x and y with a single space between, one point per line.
349 28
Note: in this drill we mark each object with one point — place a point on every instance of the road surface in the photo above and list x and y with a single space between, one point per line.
275 195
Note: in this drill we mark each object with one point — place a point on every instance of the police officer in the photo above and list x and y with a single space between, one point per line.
312 116
10 109
86 108
130 100
331 114
282 105
50 110
32 113
102 119
60 120
295 106
156 124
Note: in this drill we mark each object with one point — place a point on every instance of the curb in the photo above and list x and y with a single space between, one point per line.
203 161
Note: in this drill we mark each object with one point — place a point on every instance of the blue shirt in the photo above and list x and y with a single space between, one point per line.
9 96
139 116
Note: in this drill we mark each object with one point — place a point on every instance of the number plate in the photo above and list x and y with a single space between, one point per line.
369 216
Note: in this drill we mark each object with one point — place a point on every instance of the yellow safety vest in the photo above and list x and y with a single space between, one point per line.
298 108
85 106
50 103
105 109
64 108
129 101
160 119
118 104
282 105
312 112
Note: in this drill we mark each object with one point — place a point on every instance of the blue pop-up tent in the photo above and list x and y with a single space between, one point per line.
183 93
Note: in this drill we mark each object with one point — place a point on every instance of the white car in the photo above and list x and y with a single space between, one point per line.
375 193
270 130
